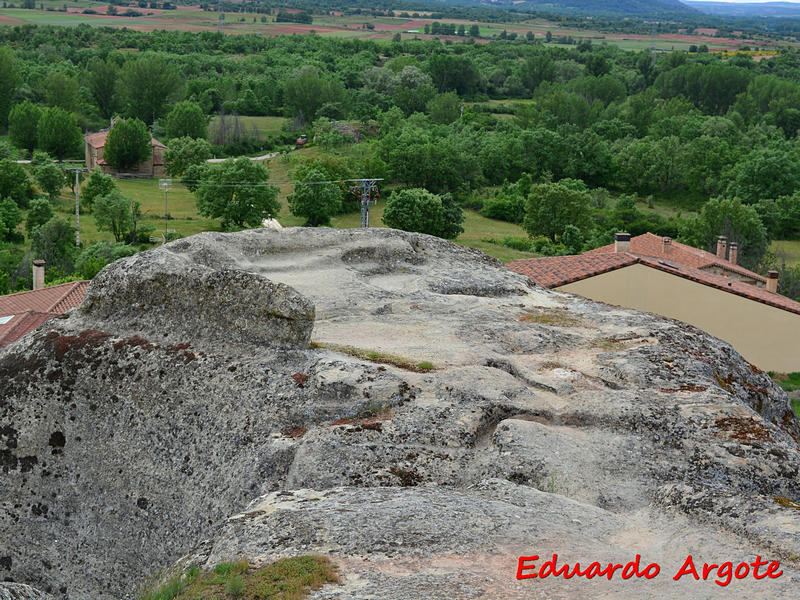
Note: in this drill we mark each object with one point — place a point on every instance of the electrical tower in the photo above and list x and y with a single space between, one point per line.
365 187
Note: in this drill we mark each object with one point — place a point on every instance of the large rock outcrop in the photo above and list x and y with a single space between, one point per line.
182 412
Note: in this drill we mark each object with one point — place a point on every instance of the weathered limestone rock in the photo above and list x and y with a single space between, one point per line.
19 591
168 298
182 403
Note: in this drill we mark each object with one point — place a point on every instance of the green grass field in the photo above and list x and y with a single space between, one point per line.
788 250
264 125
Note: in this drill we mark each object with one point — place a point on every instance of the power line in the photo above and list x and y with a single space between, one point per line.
271 183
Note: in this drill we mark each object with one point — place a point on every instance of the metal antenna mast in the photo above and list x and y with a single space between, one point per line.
365 187
165 184
77 171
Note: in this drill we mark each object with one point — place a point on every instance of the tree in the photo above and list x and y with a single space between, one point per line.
416 209
146 85
444 108
317 203
474 31
102 80
10 217
551 207
9 78
128 143
236 191
738 222
118 214
22 122
39 213
307 91
98 255
98 184
58 133
54 242
61 90
184 152
186 119
49 177
765 173
14 183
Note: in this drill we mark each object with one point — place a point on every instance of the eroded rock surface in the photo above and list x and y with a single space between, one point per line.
182 403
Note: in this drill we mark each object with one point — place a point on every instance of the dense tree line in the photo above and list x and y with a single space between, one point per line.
685 128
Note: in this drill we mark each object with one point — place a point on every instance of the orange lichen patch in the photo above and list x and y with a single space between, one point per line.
787 502
294 432
684 388
300 379
744 429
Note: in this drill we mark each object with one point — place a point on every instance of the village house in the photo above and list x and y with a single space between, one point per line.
95 143
23 312
710 291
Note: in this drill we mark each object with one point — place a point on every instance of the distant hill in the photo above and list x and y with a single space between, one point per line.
599 7
754 9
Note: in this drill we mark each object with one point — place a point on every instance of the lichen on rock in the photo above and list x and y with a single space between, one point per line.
182 412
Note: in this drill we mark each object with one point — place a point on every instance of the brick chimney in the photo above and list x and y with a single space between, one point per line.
772 282
622 242
733 253
38 274
666 245
722 246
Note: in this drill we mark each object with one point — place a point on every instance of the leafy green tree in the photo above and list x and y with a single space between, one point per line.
781 217
416 209
102 81
551 207
49 177
118 214
237 192
61 90
54 242
10 217
186 119
307 91
184 152
39 213
98 255
9 79
765 173
444 108
14 183
454 73
58 133
146 85
318 202
98 184
22 122
7 150
128 143
738 222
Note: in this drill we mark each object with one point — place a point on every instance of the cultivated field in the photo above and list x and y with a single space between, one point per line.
193 18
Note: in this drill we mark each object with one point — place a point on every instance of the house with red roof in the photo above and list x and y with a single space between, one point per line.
95 144
705 289
23 312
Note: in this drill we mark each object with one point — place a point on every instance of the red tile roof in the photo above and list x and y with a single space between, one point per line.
30 309
555 271
98 140
22 324
649 244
